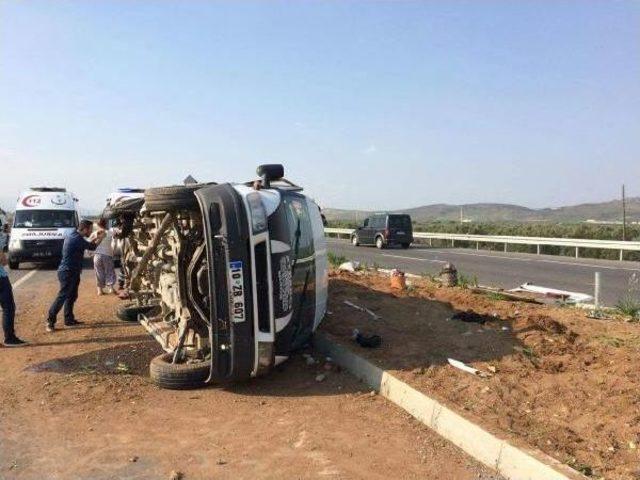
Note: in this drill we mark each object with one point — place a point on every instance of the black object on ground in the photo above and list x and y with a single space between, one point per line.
471 317
367 341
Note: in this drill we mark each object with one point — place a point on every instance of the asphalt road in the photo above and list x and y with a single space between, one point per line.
506 270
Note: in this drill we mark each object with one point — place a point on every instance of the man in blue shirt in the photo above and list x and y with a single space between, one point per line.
69 273
8 307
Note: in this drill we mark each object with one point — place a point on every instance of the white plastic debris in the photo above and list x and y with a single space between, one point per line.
466 368
349 266
564 295
374 315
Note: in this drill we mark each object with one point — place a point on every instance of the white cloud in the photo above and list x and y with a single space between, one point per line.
370 150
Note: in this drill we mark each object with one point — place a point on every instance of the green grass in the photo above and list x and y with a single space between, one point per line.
496 296
336 260
465 281
610 341
629 306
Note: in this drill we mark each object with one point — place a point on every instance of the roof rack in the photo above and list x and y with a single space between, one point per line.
280 184
130 190
48 189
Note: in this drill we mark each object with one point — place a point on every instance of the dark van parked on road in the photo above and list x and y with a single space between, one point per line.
384 229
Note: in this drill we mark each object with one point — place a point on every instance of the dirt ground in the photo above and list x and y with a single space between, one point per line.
564 383
77 404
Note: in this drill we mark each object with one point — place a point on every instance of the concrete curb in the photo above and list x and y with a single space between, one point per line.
498 454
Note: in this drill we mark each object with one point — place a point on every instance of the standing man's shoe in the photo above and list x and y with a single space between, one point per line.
72 323
50 328
14 342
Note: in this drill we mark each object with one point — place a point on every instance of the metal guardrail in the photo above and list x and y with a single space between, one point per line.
576 243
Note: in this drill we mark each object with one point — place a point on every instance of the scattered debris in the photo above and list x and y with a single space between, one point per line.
398 280
374 315
370 341
349 266
309 360
122 367
449 275
321 377
221 462
466 368
134 459
471 317
504 295
562 295
176 475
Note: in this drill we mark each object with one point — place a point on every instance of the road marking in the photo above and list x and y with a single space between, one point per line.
414 258
24 278
517 259
561 262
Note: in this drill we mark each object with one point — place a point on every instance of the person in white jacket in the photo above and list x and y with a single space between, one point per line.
103 261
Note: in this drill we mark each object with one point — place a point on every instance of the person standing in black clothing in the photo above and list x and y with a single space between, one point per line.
8 307
69 273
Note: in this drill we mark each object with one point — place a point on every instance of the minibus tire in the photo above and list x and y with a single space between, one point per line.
167 199
13 265
178 376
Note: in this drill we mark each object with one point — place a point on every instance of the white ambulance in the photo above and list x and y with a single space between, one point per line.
43 217
122 194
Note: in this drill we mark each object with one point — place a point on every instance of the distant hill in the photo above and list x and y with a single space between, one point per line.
498 212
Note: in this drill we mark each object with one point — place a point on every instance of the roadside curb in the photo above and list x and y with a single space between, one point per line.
509 461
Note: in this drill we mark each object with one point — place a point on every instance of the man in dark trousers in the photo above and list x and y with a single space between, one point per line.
8 307
69 271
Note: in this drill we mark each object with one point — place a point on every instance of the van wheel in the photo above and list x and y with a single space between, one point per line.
406 245
354 241
166 199
380 243
178 376
128 312
13 265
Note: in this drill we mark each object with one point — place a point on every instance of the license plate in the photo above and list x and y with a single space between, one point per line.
236 282
400 233
42 254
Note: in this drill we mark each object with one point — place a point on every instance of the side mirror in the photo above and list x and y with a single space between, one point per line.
270 172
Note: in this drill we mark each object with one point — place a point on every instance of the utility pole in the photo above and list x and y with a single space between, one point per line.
461 215
624 216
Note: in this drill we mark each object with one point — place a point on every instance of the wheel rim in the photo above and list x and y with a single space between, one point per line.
354 240
379 242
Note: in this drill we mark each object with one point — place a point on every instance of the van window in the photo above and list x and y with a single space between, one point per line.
45 219
299 225
399 221
379 222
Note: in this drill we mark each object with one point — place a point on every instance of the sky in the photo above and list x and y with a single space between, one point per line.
370 105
